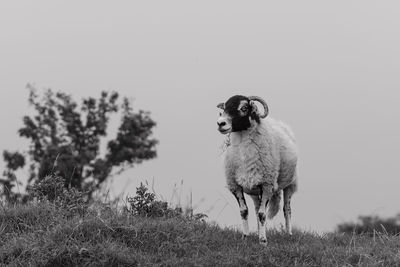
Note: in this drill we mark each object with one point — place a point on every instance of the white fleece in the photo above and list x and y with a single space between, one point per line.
265 154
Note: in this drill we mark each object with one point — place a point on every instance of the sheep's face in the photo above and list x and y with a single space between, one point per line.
237 114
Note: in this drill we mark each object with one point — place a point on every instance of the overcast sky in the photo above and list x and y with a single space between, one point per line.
330 70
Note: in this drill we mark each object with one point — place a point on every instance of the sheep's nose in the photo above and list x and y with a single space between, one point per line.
222 123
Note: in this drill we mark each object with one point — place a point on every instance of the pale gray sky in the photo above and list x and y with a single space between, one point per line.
330 70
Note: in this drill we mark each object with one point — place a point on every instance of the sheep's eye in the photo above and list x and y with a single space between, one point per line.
243 109
220 114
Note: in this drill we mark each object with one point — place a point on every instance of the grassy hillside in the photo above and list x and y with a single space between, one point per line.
43 234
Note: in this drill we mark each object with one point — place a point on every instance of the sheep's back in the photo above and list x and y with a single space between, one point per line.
288 152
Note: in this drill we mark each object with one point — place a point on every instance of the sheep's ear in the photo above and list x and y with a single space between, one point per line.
255 115
221 105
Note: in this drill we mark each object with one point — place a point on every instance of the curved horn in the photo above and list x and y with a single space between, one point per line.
262 101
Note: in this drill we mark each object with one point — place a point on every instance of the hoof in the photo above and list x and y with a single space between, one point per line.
263 242
244 237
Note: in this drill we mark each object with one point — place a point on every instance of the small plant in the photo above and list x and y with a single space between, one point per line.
52 188
144 203
49 188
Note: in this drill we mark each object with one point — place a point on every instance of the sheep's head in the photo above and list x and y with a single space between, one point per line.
238 113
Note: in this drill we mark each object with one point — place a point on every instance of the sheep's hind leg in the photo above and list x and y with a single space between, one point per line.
266 194
244 211
287 211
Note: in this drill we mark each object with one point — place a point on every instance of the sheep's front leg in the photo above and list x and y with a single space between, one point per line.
266 194
257 203
244 211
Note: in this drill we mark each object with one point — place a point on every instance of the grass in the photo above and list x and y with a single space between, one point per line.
40 234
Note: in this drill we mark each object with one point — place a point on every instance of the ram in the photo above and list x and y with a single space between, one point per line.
260 160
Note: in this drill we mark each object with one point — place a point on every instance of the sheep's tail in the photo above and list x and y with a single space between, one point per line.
273 204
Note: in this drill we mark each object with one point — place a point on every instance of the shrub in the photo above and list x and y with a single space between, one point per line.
66 137
372 224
